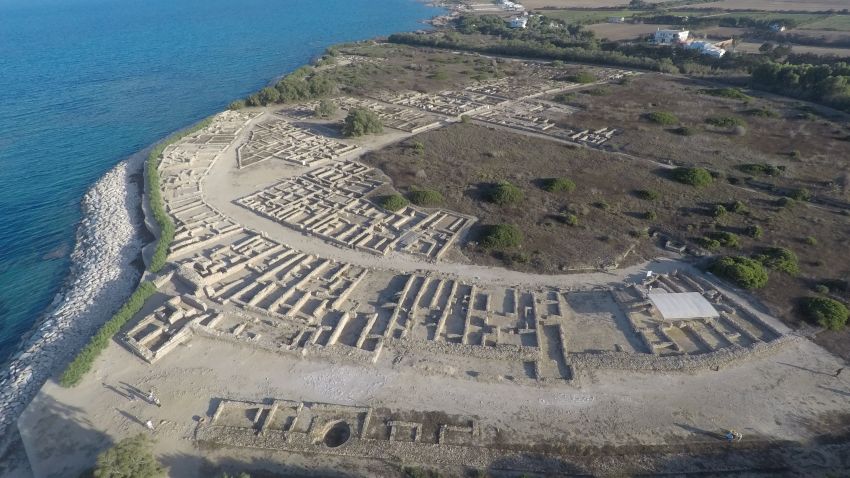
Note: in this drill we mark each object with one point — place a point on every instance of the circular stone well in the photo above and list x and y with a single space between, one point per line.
337 435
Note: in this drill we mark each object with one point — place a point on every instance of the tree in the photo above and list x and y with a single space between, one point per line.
325 109
501 236
130 458
780 259
743 271
393 202
360 122
504 193
825 312
696 177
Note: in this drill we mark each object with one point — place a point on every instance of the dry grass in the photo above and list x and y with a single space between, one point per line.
775 5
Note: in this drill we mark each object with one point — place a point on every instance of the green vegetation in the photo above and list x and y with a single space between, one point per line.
755 231
762 169
325 109
501 236
827 83
129 458
685 131
393 202
583 77
302 84
826 312
569 219
738 207
425 197
648 194
418 148
696 177
662 117
725 239
82 363
743 271
236 105
780 259
504 193
166 226
650 215
733 93
802 194
709 243
718 211
361 122
762 112
725 121
558 185
810 241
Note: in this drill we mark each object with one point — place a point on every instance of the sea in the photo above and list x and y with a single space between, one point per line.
86 83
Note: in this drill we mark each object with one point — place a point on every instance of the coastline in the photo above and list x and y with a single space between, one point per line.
104 271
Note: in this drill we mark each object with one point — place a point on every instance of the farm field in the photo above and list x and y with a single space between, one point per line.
839 23
753 47
623 31
777 5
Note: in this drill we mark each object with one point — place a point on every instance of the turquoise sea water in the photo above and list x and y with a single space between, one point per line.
86 83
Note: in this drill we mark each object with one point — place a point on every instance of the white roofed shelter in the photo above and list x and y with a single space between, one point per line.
682 306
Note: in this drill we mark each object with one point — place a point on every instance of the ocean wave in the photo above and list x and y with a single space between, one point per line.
101 277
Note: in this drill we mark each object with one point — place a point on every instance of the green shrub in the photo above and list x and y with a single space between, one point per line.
82 363
361 122
709 243
236 105
662 117
166 226
504 194
780 259
650 215
726 239
786 202
802 194
743 271
602 204
558 185
569 219
696 177
393 202
465 119
733 93
738 207
718 211
583 77
325 109
501 236
648 194
685 131
761 169
821 289
826 312
811 241
564 98
755 231
725 121
130 457
419 147
762 112
425 197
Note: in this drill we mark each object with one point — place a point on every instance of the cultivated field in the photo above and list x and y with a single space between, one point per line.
753 47
623 31
776 5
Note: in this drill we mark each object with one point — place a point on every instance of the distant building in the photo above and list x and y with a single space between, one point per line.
616 19
777 27
706 48
670 37
509 5
518 22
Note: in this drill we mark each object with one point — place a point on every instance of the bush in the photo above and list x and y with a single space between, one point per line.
325 109
826 312
709 243
569 219
743 271
696 177
811 241
802 194
236 105
725 121
501 236
762 112
662 117
718 211
733 93
583 77
726 239
425 197
738 207
755 231
780 259
648 194
393 202
558 185
762 168
360 122
821 289
130 457
650 215
166 226
685 131
82 363
418 147
786 202
504 194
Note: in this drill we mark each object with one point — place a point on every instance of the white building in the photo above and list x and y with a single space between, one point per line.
616 19
518 22
670 37
706 48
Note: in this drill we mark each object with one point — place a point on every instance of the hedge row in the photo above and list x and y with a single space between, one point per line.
83 361
166 226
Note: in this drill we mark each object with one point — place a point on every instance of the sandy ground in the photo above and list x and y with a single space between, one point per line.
775 5
753 47
623 31
795 392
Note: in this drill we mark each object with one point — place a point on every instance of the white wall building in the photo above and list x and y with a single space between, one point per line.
706 48
670 37
518 22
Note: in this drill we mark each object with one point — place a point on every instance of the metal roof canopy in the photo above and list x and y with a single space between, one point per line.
683 305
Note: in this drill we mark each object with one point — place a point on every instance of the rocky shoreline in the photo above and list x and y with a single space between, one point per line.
103 274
